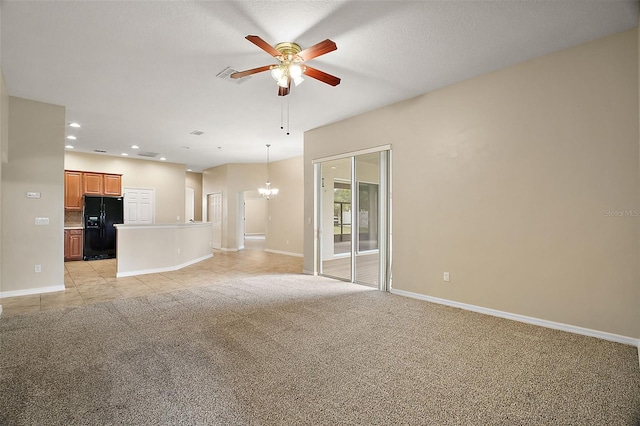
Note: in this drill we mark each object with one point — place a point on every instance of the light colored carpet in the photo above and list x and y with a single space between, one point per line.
293 349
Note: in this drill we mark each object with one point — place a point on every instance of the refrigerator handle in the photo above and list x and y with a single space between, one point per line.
102 224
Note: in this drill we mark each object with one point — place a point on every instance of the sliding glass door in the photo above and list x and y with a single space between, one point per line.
336 200
367 253
353 218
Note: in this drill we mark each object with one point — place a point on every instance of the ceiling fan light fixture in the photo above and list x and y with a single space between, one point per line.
283 81
291 65
277 72
295 71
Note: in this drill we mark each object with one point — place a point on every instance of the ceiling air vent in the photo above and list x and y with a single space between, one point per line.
101 151
226 73
148 154
197 133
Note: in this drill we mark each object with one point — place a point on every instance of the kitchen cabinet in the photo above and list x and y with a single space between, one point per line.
77 184
92 183
72 190
102 184
112 185
73 244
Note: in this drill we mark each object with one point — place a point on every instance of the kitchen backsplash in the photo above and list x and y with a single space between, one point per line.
72 218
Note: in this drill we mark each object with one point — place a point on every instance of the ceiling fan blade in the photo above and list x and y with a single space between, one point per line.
283 91
263 45
240 74
317 50
321 75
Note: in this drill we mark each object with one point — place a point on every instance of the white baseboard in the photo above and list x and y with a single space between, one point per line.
30 291
304 271
164 269
287 253
522 318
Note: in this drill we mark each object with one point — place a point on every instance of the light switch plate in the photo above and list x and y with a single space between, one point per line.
42 220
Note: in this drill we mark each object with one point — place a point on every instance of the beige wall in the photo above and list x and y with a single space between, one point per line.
514 182
151 249
194 180
233 180
36 146
168 179
284 212
4 149
285 223
4 120
255 214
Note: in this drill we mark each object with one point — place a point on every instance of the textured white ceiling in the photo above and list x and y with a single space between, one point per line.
144 72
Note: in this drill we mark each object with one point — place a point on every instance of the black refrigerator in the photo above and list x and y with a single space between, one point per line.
100 214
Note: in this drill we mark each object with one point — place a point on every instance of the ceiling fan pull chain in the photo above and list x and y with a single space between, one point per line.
281 113
288 116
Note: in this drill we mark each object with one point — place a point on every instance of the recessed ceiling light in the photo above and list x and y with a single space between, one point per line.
74 125
124 153
69 146
73 138
135 147
163 159
189 170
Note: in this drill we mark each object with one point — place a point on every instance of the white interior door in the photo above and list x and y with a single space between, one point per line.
215 217
189 204
139 206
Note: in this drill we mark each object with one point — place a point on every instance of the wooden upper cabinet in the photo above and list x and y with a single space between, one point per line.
77 184
72 190
92 183
112 185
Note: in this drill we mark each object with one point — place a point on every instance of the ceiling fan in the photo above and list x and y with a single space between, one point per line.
290 65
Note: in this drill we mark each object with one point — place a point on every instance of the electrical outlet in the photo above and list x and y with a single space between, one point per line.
446 277
37 269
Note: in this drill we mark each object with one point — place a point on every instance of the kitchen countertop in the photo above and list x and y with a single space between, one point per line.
73 227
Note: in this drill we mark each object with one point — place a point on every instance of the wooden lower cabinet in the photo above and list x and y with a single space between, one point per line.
73 244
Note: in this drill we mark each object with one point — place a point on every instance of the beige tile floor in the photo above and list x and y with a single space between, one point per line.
95 281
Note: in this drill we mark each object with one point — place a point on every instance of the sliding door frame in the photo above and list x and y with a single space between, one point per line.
384 212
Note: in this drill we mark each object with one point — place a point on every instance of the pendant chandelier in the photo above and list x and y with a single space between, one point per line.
268 192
